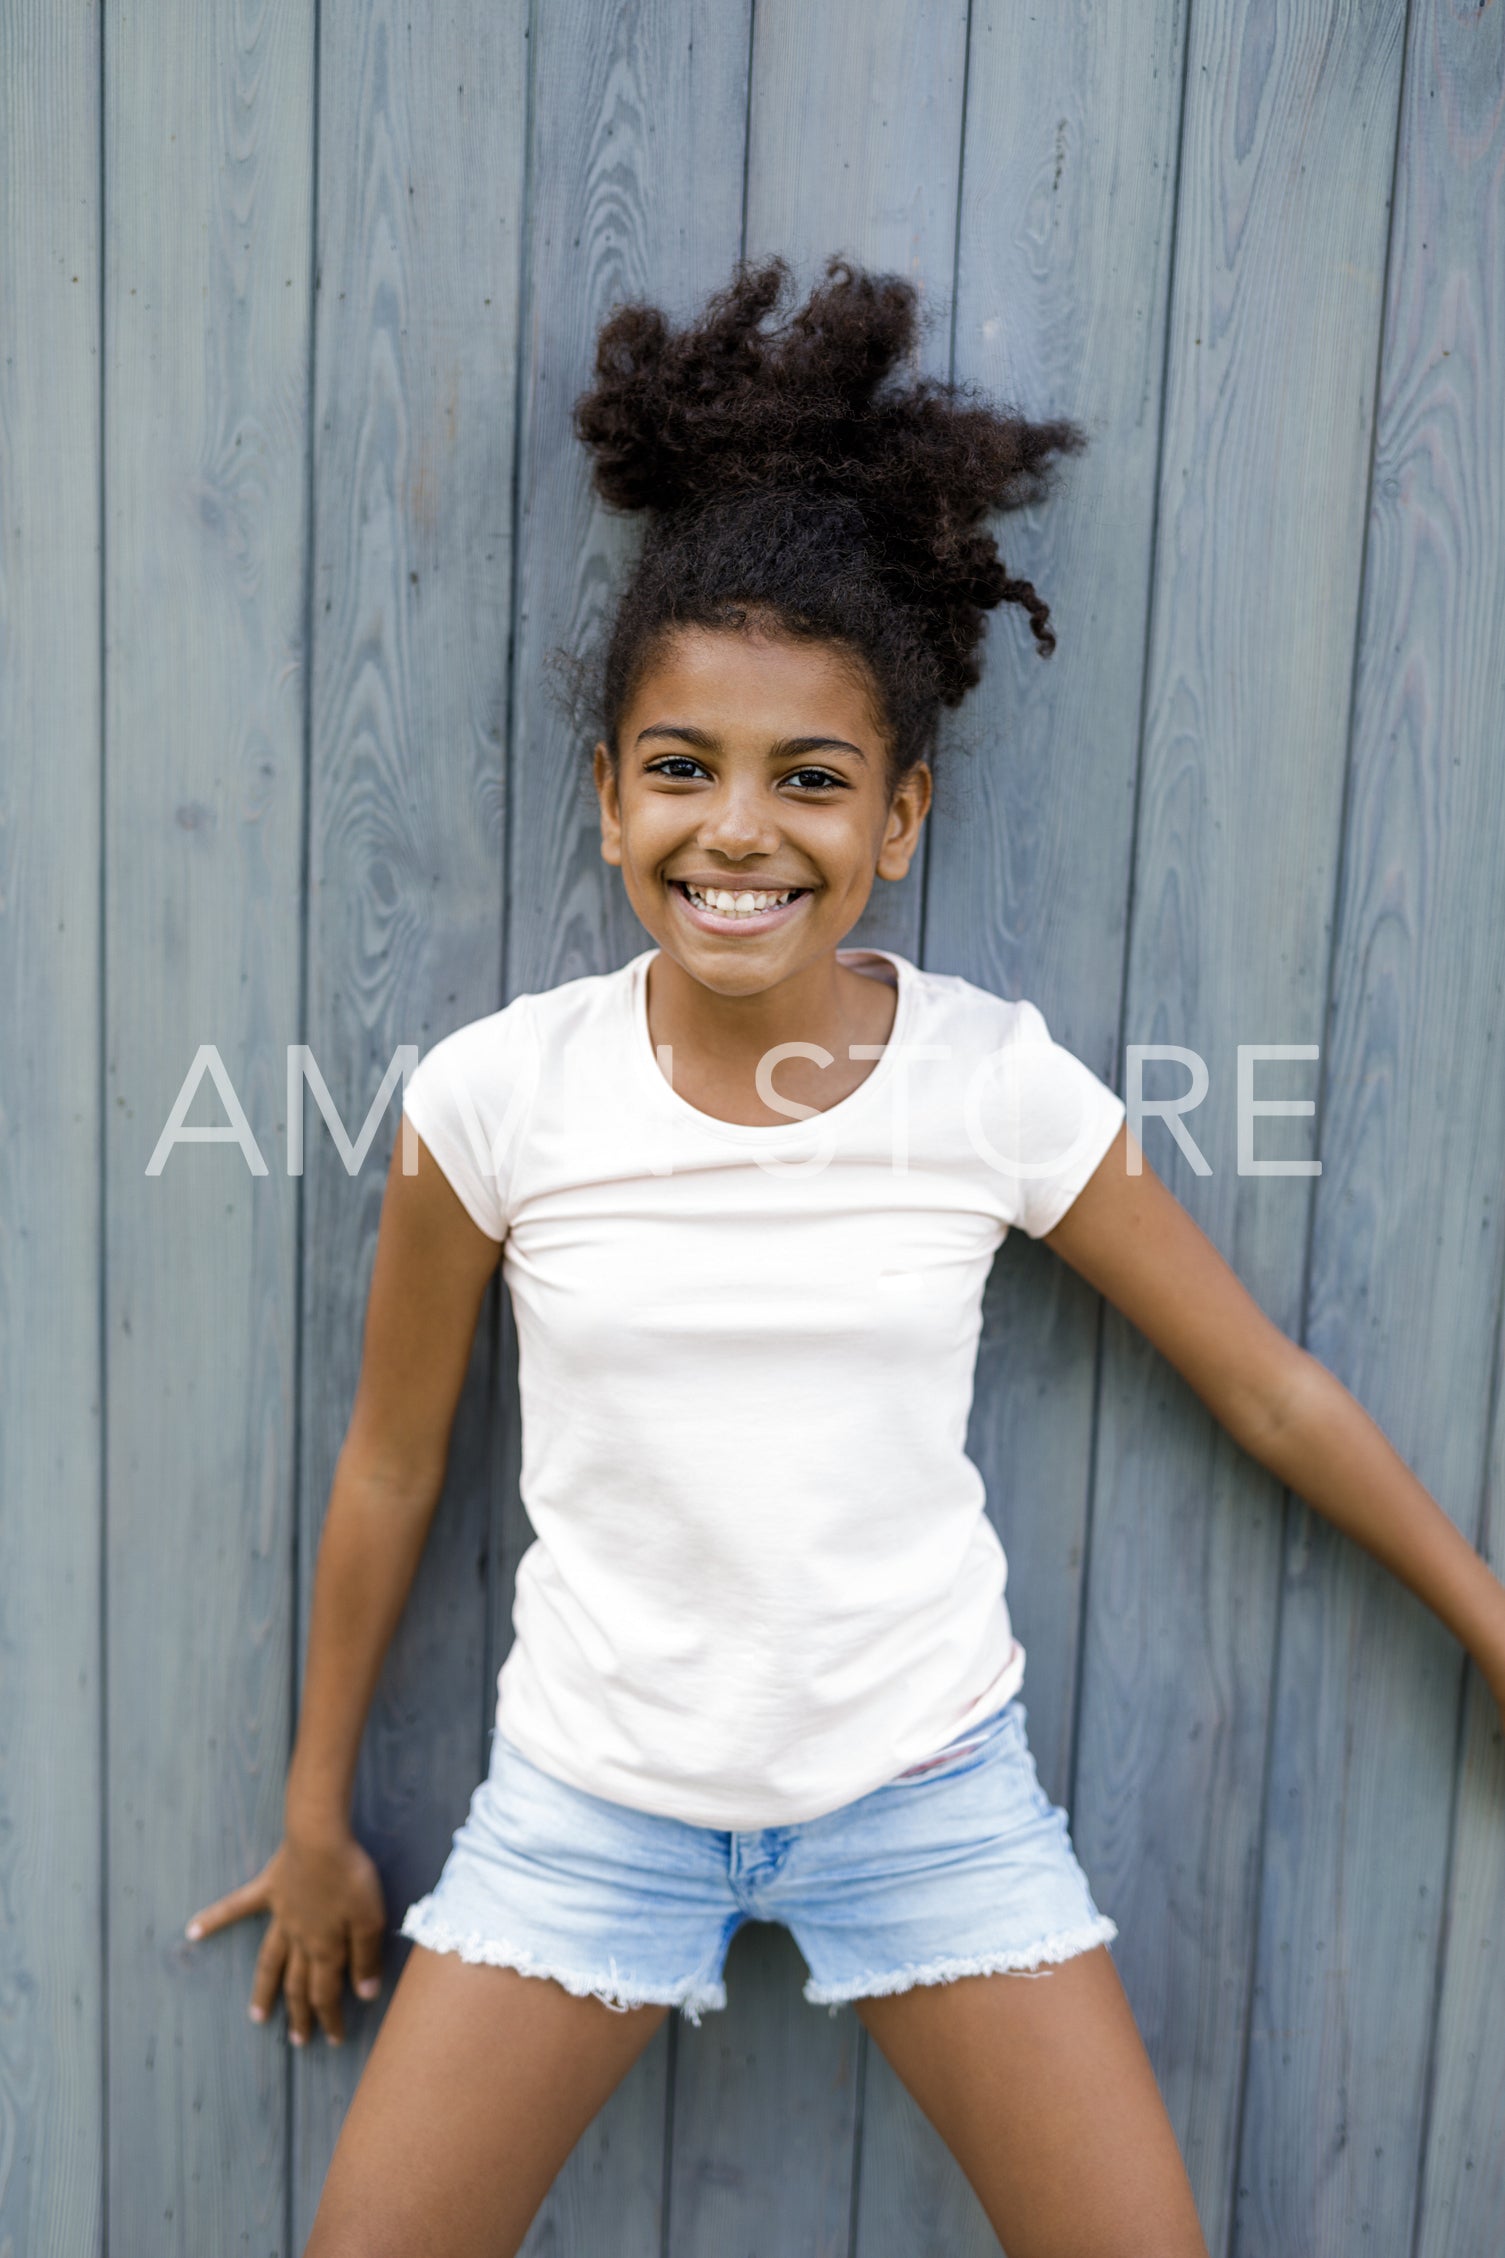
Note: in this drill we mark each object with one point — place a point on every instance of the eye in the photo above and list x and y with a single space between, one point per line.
679 766
815 779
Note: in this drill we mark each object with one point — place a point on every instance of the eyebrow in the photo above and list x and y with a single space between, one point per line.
685 733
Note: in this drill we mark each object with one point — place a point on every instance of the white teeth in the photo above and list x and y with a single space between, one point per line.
745 904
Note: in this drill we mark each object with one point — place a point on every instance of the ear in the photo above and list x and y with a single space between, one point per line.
906 816
611 806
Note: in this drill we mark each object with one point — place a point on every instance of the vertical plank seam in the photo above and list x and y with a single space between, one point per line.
1445 1933
752 28
1445 1930
1340 883
499 1404
956 269
961 179
1492 1417
1089 1518
291 2085
859 2122
102 1190
1444 1939
519 432
666 2197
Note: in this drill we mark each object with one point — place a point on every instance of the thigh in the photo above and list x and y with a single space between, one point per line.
1041 2088
480 2083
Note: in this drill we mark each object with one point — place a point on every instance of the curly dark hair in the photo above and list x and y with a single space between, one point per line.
793 481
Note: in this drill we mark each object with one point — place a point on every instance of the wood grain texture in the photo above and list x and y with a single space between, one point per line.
764 2114
208 129
635 189
421 178
1061 299
1408 1219
484 195
51 1969
1462 2195
877 179
639 119
1287 141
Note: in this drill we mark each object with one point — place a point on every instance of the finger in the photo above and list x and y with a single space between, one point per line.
295 1992
270 1962
326 1986
251 1897
365 1961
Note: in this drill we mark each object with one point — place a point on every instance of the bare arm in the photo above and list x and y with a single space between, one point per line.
429 1277
1132 1239
430 1274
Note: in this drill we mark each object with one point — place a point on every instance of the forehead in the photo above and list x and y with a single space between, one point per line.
745 684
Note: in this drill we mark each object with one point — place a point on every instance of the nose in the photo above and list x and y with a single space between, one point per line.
738 822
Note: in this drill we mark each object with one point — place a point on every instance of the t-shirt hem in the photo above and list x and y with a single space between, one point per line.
695 1811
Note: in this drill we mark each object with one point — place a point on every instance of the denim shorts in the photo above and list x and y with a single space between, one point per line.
961 1866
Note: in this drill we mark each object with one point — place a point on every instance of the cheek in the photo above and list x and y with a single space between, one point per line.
650 831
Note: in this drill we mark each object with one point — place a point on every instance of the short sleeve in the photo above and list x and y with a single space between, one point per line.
1041 1119
469 1098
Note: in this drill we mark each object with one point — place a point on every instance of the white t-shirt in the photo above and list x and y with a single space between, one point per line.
763 1580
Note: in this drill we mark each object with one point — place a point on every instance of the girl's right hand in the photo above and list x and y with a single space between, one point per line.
327 1912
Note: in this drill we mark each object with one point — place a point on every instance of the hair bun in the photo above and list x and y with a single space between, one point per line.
765 423
731 402
814 402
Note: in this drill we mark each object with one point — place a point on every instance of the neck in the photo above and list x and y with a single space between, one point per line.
824 1002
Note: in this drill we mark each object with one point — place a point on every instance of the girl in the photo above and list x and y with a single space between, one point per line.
746 1191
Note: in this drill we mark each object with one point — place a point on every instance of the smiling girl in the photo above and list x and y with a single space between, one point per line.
745 1192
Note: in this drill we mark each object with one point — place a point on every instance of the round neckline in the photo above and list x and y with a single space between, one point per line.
766 1132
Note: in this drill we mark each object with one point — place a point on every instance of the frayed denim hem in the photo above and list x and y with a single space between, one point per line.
694 1997
1034 1959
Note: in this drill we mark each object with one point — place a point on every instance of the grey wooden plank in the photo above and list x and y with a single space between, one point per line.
421 175
854 146
51 1970
1061 296
638 124
1462 2195
635 189
207 138
765 2110
1407 1221
855 129
1287 139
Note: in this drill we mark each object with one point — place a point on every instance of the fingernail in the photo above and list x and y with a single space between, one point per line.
257 2014
194 1931
369 1986
296 2037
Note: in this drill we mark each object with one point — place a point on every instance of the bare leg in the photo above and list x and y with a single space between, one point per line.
1041 2088
480 2083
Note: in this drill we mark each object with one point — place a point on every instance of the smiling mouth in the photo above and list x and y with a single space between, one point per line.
737 901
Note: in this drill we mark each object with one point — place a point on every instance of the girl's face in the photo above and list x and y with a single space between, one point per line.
749 809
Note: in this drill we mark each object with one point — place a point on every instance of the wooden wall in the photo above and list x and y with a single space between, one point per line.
294 300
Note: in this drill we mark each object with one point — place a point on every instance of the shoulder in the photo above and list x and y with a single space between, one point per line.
473 1094
1038 1119
946 1006
518 1036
